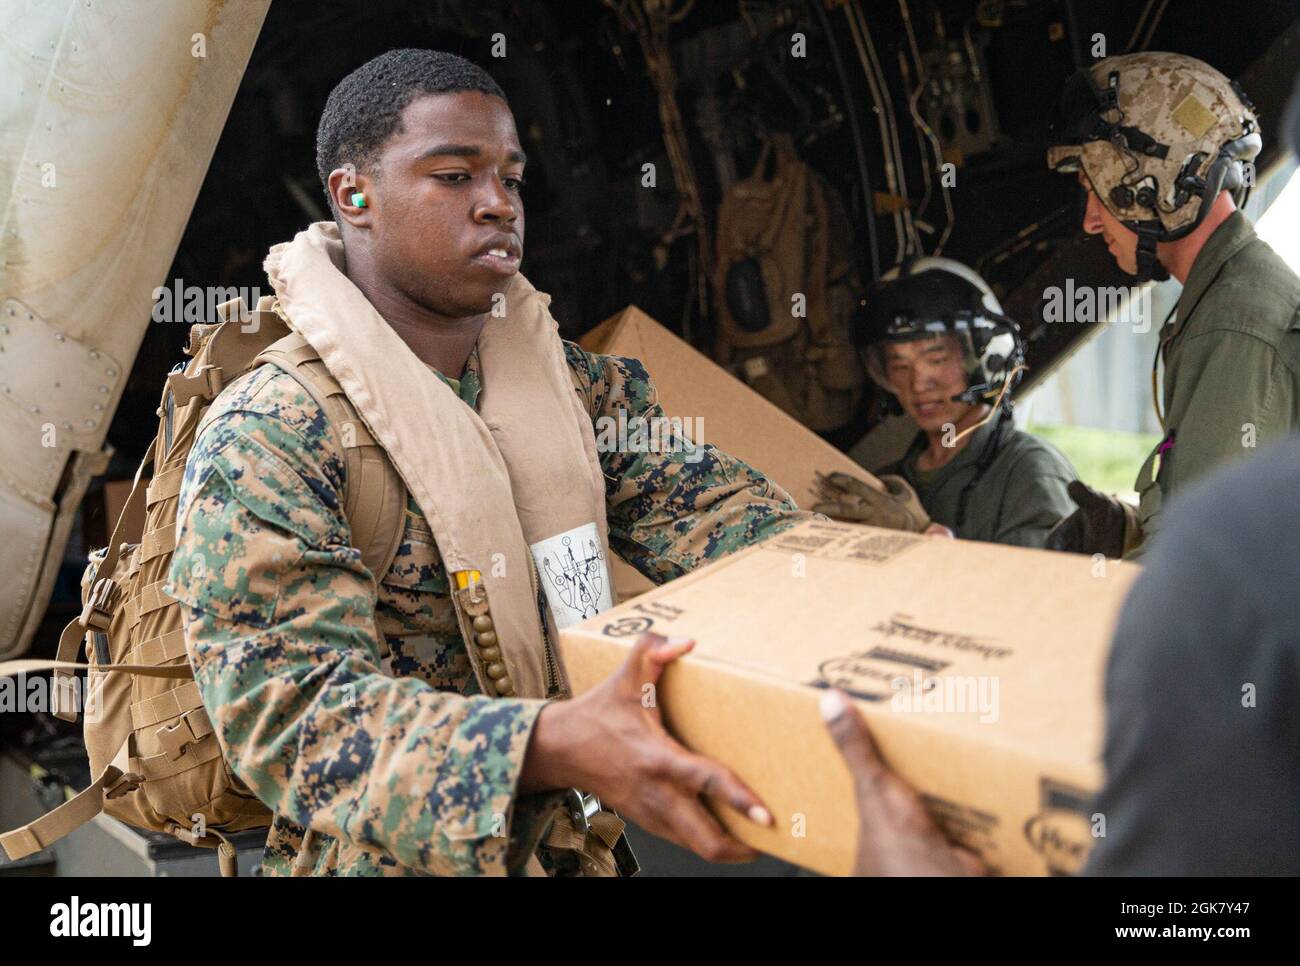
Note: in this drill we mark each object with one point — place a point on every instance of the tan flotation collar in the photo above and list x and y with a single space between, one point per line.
513 486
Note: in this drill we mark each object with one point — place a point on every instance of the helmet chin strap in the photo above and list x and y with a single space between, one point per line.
1225 172
1149 267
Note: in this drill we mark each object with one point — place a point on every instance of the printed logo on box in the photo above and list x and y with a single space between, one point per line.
628 626
1061 832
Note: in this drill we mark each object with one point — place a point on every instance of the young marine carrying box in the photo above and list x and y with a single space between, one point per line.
978 666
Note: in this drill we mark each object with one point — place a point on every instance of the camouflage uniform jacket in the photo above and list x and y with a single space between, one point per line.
404 771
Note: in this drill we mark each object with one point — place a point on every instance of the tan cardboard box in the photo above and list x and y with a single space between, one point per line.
736 419
979 667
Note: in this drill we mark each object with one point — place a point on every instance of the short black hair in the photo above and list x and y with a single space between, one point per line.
365 108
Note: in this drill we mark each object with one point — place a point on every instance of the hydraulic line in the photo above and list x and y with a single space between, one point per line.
913 239
923 127
884 113
859 149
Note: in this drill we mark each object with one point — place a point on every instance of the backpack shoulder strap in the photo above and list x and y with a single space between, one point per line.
374 498
223 350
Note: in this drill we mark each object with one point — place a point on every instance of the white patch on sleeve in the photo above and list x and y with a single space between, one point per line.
574 573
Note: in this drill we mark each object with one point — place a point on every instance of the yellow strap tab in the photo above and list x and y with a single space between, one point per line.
466 577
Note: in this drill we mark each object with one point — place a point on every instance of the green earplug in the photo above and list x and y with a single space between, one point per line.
358 199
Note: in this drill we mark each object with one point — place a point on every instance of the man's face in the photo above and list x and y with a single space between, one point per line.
925 375
445 216
1121 242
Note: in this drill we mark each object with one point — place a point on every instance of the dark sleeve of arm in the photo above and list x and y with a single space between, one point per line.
1202 748
672 505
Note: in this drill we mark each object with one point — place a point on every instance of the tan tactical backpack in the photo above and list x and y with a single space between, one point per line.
786 290
153 752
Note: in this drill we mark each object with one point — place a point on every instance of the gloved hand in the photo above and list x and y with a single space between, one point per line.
1102 524
845 497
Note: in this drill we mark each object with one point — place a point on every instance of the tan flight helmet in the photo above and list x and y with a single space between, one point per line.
1158 135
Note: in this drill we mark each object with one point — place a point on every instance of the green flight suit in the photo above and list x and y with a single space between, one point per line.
1232 365
1018 499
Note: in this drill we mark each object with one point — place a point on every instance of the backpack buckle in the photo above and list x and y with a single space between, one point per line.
205 382
126 782
581 808
176 739
100 605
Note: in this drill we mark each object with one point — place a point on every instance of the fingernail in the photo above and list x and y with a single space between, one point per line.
678 640
832 705
760 815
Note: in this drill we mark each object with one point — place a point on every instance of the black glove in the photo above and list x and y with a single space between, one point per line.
1098 526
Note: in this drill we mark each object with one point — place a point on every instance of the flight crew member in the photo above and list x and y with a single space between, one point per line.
1215 600
1159 141
409 772
933 335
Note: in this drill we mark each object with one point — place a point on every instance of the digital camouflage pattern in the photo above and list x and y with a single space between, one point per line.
406 772
1180 101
